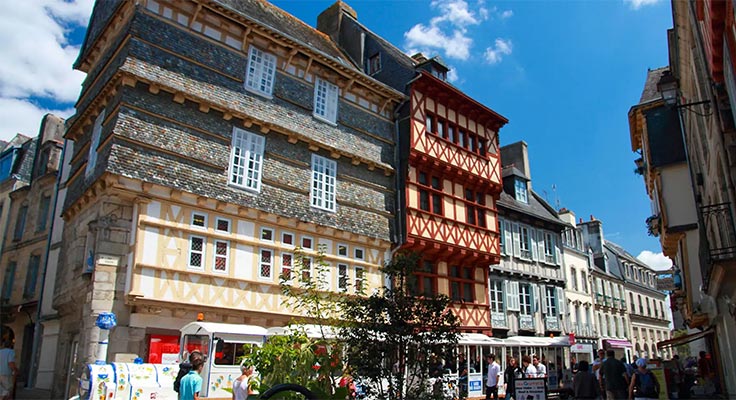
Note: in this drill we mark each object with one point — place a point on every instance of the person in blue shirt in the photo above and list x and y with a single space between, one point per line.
191 383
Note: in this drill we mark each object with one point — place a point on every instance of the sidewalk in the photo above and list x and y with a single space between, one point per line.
32 394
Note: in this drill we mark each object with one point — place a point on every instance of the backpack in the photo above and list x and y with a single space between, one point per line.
646 385
184 369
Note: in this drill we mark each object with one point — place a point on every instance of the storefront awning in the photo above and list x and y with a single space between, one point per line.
616 343
559 341
684 339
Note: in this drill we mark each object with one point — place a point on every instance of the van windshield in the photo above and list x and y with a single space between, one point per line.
199 343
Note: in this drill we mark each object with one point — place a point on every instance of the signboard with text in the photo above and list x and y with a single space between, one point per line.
475 385
531 389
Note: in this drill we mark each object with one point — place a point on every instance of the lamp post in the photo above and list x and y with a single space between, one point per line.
668 86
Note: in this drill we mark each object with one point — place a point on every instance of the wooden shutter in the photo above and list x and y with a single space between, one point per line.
533 244
540 245
517 240
561 301
558 253
509 237
512 294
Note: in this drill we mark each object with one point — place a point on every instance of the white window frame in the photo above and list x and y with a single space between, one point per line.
574 278
265 229
217 225
194 226
343 272
226 256
360 279
525 251
94 143
512 296
355 253
310 270
202 253
551 307
293 239
341 246
323 190
550 257
496 291
246 160
521 191
502 246
268 264
523 296
311 240
283 266
260 72
326 95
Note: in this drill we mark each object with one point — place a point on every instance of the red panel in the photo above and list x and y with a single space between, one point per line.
161 345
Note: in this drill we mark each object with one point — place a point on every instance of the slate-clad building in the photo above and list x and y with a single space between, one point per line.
211 139
448 168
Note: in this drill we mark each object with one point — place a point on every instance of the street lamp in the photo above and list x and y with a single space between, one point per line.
669 88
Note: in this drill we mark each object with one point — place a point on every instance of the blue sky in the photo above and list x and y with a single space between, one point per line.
564 73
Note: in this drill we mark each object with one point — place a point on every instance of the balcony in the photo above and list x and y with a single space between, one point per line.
719 228
498 320
552 324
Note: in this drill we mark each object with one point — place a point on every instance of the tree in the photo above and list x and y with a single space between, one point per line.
394 337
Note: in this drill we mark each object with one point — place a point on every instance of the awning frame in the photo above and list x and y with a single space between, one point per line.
684 339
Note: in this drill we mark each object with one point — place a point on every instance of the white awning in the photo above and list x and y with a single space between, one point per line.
537 341
478 339
312 331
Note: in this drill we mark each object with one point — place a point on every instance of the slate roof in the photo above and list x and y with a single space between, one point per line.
390 49
278 20
537 207
286 116
650 92
511 170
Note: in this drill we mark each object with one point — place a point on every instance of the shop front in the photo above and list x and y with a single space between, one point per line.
622 348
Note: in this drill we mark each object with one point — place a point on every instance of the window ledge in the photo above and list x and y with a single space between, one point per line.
325 120
257 92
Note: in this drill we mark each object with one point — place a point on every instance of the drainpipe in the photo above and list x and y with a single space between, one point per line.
37 327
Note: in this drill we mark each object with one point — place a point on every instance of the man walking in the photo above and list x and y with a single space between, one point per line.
494 371
8 370
613 373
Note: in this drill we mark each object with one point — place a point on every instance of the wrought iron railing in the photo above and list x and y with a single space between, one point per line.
719 228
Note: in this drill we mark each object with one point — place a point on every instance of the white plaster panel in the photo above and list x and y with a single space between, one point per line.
243 262
328 245
176 213
150 245
153 210
246 228
168 292
147 278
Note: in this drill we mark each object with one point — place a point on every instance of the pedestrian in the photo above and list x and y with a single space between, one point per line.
246 384
584 384
191 383
613 373
529 370
541 368
8 370
510 375
494 371
644 385
597 364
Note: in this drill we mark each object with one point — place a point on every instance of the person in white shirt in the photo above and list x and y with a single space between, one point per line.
541 368
529 370
494 371
7 370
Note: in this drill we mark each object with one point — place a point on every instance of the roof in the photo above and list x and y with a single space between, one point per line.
613 262
390 49
511 170
276 19
650 92
537 207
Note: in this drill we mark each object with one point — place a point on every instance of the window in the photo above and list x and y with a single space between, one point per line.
229 353
222 248
196 251
461 283
322 195
521 193
6 164
261 71
222 225
550 248
525 299
424 280
430 193
325 100
307 242
342 250
31 277
94 143
199 220
266 264
287 239
649 308
374 64
43 213
525 242
631 299
475 208
246 159
496 291
8 281
584 281
20 223
429 123
359 280
641 306
342 277
574 279
550 301
359 253
306 269
287 265
267 234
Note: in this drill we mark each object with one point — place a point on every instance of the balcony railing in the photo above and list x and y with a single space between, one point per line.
552 324
719 229
526 322
498 320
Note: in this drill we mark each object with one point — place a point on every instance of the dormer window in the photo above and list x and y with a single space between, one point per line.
374 64
521 191
439 74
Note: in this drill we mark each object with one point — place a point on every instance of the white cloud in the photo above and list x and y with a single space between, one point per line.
452 75
447 32
37 59
507 14
637 4
657 261
22 116
495 53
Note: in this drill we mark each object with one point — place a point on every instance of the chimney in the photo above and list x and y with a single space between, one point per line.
329 20
517 154
567 216
593 235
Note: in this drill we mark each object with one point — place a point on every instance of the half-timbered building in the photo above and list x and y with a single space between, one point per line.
212 138
449 175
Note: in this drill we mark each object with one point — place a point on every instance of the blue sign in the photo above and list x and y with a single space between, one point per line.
475 385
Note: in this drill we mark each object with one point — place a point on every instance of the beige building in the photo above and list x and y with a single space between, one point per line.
24 247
